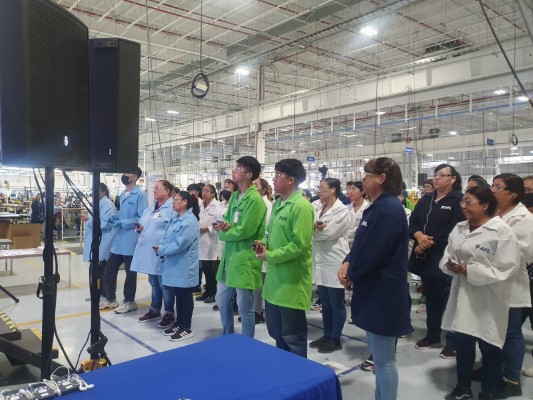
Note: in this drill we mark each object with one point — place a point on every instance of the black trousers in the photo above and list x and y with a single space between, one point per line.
111 272
209 272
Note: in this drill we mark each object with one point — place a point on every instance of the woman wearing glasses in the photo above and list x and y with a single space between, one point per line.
482 256
151 228
330 246
377 268
430 224
358 204
509 191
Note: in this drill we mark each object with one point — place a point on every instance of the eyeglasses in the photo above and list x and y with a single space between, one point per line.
369 175
467 203
498 188
280 176
440 176
428 187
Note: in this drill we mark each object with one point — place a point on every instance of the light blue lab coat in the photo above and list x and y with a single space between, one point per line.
107 213
180 251
154 224
131 209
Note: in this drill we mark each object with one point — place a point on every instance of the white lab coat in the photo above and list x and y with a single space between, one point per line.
330 245
479 302
222 207
268 203
355 218
209 240
521 220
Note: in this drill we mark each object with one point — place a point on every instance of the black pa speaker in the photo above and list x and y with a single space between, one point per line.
44 97
422 178
114 76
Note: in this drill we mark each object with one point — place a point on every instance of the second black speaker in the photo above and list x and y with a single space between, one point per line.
114 80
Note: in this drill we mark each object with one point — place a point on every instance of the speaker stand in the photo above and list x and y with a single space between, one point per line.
98 340
49 280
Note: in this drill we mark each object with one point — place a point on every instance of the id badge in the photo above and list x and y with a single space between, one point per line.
236 217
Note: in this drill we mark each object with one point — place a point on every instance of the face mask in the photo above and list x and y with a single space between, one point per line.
125 179
528 200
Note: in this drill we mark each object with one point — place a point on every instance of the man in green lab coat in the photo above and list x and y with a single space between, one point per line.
240 270
287 287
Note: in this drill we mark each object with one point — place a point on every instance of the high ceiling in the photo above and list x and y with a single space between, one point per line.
295 48
303 45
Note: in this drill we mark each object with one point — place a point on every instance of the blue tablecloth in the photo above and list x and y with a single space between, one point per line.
228 367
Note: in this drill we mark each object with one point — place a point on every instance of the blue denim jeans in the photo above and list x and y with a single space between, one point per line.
245 301
161 293
383 350
288 327
333 311
514 347
465 345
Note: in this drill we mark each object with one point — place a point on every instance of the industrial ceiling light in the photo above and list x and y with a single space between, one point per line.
453 133
380 112
150 119
500 91
173 112
368 31
242 71
522 98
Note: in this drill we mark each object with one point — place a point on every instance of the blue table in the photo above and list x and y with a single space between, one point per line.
228 367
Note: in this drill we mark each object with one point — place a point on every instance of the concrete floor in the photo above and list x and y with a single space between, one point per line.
423 375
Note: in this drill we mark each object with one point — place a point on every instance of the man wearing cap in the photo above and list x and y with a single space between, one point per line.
133 202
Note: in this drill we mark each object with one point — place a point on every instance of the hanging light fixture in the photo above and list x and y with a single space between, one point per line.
200 83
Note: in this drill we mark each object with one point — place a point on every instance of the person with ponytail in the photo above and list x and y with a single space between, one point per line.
178 252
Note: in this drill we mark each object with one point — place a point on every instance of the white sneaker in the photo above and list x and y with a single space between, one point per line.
106 305
421 309
126 308
528 372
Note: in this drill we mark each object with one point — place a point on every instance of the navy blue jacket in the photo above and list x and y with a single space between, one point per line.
378 269
437 220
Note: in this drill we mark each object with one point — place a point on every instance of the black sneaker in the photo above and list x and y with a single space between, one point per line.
459 393
216 307
209 299
181 334
506 389
316 343
330 346
167 321
259 318
172 330
368 365
150 316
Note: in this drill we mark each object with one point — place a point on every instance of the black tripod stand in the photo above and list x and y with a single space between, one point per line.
3 289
